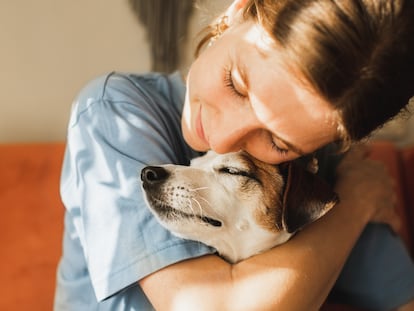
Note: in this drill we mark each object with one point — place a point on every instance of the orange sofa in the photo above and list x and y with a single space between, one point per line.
32 218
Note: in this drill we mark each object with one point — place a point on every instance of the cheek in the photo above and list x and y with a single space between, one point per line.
186 119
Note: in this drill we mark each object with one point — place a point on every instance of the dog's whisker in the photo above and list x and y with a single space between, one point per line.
190 205
197 189
218 212
205 200
198 204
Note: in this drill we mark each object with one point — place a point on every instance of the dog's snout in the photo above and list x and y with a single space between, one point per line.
153 174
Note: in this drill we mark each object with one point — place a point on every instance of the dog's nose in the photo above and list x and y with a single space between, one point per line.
153 174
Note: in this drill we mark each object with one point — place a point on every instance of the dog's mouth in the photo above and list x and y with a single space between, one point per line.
168 212
211 221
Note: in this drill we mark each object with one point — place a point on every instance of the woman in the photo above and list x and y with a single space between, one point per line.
279 79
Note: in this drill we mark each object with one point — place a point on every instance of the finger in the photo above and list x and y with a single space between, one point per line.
360 151
354 155
388 214
395 221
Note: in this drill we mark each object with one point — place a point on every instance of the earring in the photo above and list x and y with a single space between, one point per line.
313 165
219 28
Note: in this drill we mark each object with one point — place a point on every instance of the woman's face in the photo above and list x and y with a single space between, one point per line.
240 97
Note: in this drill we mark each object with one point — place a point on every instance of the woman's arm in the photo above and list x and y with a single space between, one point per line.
297 275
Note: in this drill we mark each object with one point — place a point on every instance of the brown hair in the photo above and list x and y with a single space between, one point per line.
357 54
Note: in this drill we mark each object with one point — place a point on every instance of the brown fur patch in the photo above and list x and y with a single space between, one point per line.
269 214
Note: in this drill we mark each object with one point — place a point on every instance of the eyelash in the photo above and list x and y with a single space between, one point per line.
281 151
228 82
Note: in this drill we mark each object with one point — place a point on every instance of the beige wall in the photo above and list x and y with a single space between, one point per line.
49 49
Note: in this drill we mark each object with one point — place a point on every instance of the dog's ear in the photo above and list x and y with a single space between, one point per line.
306 197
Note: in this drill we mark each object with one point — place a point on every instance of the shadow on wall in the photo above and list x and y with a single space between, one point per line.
166 24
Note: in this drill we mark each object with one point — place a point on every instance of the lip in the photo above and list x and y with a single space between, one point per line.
199 128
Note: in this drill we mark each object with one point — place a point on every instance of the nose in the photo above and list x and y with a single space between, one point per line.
233 136
232 125
154 174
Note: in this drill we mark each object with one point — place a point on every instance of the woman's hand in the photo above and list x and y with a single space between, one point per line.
366 185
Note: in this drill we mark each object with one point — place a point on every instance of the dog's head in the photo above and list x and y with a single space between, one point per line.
234 202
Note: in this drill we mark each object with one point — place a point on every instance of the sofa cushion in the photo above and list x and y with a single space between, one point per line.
31 224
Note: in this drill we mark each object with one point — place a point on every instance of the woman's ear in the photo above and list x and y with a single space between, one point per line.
234 9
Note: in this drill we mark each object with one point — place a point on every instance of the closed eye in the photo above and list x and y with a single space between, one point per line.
238 172
229 83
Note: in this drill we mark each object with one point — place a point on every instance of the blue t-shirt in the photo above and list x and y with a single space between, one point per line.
119 124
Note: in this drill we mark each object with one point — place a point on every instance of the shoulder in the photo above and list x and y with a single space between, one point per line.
144 91
138 115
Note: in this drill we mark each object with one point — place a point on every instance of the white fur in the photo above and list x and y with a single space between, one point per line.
206 189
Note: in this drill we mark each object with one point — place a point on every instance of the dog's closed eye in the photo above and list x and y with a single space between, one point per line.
238 172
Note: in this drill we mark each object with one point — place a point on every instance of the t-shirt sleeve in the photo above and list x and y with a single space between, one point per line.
117 126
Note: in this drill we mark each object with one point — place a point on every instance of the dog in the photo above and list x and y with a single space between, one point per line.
235 203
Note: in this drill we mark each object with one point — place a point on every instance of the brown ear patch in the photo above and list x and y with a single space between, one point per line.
306 197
